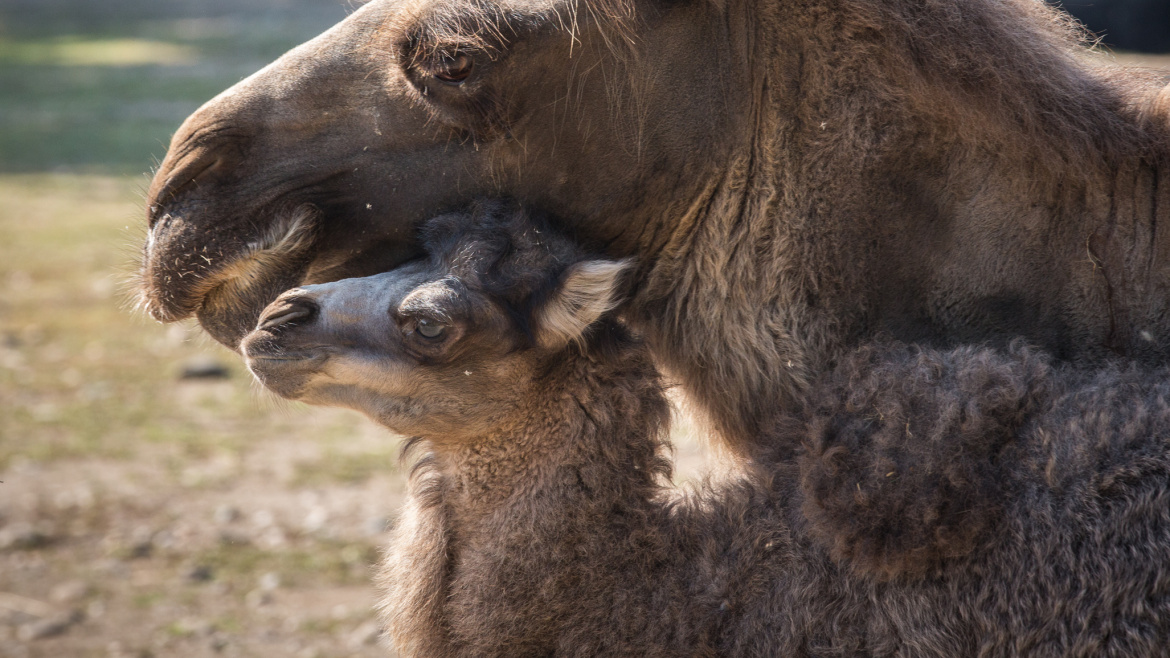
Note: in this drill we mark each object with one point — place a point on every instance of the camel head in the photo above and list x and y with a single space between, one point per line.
442 347
604 113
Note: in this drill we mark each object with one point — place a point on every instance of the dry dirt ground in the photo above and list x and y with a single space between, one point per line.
153 503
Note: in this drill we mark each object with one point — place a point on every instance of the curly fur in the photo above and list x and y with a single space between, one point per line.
1063 476
917 456
913 168
901 466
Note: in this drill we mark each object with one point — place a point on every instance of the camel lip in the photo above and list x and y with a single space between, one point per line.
285 373
156 296
179 280
166 304
162 312
287 358
261 361
268 348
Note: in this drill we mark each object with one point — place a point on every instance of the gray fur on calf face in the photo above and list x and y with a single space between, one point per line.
315 337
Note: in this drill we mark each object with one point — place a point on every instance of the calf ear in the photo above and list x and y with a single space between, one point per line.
586 291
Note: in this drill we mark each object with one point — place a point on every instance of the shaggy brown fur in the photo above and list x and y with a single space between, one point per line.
915 457
791 177
904 464
588 556
542 524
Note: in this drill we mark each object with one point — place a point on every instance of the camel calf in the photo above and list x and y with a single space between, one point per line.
540 521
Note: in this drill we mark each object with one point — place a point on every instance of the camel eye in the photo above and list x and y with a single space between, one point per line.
453 69
430 329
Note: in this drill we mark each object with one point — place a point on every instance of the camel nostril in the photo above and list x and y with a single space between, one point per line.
300 310
182 178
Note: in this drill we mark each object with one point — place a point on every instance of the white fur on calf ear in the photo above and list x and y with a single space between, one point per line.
586 292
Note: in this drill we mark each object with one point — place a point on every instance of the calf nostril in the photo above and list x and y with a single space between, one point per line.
299 310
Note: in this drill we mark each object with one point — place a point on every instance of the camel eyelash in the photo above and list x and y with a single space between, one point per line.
428 45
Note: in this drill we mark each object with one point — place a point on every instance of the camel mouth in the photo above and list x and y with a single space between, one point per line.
277 368
288 358
175 286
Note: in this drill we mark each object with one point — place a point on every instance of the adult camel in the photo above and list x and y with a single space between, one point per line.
790 177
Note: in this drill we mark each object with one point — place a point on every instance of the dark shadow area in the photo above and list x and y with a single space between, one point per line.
1138 25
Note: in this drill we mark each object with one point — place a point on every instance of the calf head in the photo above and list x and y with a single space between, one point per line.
445 347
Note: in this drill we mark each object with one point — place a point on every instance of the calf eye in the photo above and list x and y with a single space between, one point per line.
430 329
453 69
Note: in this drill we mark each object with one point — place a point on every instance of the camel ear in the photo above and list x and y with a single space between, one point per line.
587 291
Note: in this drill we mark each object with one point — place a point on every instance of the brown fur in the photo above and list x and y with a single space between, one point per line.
791 178
904 462
548 527
585 554
943 174
916 458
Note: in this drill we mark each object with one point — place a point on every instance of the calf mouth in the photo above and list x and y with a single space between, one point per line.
300 359
279 367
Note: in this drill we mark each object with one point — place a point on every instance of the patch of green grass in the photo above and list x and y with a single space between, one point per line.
81 51
345 467
103 94
97 119
318 562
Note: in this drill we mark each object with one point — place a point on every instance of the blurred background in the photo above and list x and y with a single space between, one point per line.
1137 25
153 503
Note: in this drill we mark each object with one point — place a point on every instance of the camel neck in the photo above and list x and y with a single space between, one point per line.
594 420
867 150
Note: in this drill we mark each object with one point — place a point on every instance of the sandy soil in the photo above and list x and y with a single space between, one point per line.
159 556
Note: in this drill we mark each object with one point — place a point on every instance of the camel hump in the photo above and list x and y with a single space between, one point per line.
1162 103
1154 114
901 466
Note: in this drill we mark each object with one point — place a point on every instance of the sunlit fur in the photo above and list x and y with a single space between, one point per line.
586 293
